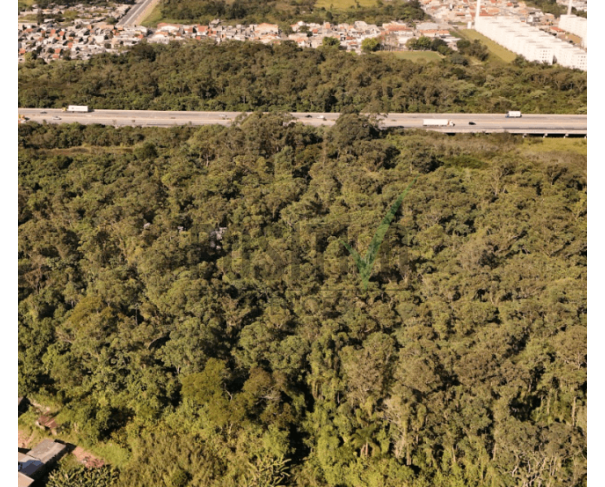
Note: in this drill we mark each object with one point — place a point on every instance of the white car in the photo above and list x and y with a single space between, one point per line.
56 118
321 117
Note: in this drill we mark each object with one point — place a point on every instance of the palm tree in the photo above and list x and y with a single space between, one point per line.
364 438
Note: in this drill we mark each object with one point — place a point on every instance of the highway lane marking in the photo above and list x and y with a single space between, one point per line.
76 118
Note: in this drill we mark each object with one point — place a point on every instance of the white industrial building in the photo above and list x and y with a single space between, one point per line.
575 25
530 42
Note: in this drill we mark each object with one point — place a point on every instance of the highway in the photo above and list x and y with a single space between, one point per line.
463 122
136 13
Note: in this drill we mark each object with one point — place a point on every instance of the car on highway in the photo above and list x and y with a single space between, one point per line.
321 117
42 113
307 116
472 123
56 118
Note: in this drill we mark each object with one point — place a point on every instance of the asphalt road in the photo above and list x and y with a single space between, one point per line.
132 16
463 122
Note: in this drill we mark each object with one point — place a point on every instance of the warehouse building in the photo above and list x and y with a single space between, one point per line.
575 25
530 42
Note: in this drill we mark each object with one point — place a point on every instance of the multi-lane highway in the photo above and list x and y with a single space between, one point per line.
463 122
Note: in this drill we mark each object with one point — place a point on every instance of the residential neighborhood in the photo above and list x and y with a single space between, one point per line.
463 11
94 30
88 34
350 36
90 31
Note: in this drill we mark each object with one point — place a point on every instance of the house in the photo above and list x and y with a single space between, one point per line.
172 28
427 26
265 28
29 465
47 422
34 463
47 451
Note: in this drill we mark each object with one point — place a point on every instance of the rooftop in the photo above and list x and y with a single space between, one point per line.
29 465
24 480
47 450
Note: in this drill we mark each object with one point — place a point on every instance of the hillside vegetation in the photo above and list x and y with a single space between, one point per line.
287 12
184 295
251 76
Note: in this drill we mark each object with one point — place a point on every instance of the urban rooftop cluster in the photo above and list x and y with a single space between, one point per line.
350 36
89 33
85 34
531 43
92 30
463 11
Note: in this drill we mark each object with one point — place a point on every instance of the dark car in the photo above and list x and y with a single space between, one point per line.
472 123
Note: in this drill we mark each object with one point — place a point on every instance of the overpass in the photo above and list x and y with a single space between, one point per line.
545 125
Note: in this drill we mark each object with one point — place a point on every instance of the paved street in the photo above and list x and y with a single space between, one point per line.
463 122
134 15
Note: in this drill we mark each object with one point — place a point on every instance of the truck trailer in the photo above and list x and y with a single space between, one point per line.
438 122
77 109
513 114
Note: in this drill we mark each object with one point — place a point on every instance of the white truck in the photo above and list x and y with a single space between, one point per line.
76 109
513 114
437 122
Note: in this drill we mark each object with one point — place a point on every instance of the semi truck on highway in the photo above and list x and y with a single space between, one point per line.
77 109
513 114
437 122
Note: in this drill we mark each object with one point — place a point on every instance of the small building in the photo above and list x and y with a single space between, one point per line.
267 29
47 451
48 423
29 465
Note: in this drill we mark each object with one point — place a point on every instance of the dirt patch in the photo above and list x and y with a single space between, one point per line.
86 458
25 439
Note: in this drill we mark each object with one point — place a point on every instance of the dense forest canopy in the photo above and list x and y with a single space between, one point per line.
184 297
287 11
251 76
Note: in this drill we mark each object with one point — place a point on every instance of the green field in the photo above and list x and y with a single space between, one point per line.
416 56
25 4
29 18
154 17
344 4
498 51
558 144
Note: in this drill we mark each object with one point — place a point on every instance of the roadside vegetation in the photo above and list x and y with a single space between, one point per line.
415 56
251 76
186 300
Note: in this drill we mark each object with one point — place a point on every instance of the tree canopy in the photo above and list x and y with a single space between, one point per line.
240 76
184 297
287 12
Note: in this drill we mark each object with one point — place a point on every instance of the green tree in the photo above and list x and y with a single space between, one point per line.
370 44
